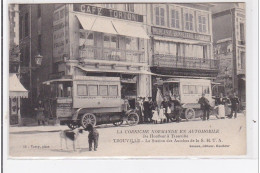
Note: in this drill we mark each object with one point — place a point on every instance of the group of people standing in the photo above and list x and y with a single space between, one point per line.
153 112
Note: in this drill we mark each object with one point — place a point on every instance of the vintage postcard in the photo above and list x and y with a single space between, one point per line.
127 80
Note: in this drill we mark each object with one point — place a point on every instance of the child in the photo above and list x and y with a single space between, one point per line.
162 114
92 137
155 117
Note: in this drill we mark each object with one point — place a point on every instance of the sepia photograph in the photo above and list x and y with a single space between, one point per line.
133 80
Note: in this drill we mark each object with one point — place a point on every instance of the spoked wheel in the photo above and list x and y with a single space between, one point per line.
88 118
119 123
189 114
132 119
73 125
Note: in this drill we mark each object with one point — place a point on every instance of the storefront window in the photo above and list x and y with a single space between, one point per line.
106 41
113 42
82 90
131 43
90 39
103 90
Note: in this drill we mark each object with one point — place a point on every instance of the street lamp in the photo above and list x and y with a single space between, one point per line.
38 59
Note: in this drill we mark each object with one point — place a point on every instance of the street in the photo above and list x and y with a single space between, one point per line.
188 138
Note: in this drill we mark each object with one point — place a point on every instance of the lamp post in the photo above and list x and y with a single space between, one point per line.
226 78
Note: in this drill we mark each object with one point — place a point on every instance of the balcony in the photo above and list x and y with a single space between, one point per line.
111 54
172 61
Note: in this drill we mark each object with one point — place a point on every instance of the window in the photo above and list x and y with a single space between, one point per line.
90 39
205 52
160 16
243 62
103 90
189 20
129 7
131 43
173 49
110 41
202 23
26 25
199 89
206 89
82 90
93 90
39 10
21 27
110 6
185 89
242 32
113 90
192 89
40 44
175 18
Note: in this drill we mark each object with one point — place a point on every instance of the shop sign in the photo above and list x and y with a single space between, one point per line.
107 12
179 34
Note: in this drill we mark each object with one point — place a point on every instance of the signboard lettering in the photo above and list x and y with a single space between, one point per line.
107 12
179 34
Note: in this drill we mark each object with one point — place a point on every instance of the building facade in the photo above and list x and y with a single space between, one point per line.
230 46
35 30
181 44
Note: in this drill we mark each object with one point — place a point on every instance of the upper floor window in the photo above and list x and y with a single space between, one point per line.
129 7
113 6
175 18
242 32
202 23
160 16
110 41
189 20
26 24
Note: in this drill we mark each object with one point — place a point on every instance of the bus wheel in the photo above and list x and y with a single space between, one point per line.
88 118
132 119
189 113
72 125
118 123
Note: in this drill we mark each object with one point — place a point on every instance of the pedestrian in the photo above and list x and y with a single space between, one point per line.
146 110
162 116
165 105
93 137
205 106
40 113
155 117
139 109
221 106
234 105
177 108
151 108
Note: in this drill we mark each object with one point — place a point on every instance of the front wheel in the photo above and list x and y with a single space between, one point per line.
132 119
88 118
189 113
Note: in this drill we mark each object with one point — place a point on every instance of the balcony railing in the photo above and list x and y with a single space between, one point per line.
110 54
184 62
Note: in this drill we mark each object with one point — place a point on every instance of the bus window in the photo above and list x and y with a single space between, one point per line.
103 90
93 90
206 89
199 89
192 89
82 90
185 89
113 90
60 90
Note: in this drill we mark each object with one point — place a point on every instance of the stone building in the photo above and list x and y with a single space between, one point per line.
230 46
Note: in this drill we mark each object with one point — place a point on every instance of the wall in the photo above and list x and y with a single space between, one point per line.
217 24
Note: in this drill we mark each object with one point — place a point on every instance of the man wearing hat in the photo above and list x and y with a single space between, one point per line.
205 106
